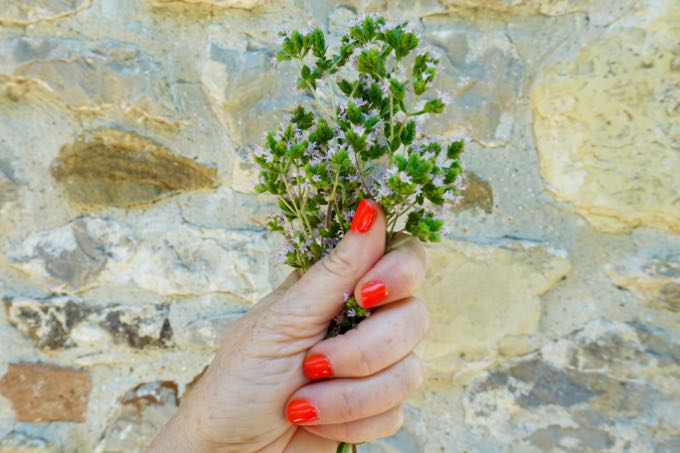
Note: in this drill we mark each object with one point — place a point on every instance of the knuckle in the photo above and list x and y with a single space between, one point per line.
411 270
338 263
364 360
397 421
348 411
413 376
421 316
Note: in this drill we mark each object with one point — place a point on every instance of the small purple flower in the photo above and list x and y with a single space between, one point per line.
345 297
359 129
406 179
385 87
438 180
460 183
351 313
453 198
385 191
399 116
281 38
316 178
444 97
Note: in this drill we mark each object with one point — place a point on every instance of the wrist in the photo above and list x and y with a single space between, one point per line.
181 433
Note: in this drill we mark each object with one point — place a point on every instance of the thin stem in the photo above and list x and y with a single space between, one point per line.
313 90
303 219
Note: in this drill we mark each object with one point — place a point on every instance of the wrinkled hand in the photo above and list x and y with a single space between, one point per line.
276 385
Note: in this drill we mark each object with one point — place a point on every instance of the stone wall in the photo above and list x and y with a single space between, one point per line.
131 239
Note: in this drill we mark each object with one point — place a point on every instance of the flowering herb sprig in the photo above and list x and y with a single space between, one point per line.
359 140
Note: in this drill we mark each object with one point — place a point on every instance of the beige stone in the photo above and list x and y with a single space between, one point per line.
480 294
607 127
91 77
238 4
26 12
545 7
43 393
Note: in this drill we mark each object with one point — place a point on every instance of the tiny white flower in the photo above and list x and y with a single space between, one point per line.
399 116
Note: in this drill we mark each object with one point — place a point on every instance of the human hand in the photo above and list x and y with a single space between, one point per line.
275 385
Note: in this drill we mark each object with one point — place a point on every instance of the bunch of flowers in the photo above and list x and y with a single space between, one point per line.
360 139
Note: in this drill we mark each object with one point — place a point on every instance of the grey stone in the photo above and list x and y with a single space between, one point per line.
141 413
71 256
66 322
586 392
18 442
485 76
247 93
655 279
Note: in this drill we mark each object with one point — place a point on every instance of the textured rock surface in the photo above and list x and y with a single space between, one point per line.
114 168
63 322
609 386
131 239
142 412
655 281
31 11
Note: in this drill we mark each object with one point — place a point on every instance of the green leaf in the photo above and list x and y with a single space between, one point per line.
371 62
306 72
409 133
434 106
419 86
397 89
323 132
297 42
353 113
302 118
319 43
345 87
455 149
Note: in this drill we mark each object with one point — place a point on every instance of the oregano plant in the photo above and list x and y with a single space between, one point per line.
360 139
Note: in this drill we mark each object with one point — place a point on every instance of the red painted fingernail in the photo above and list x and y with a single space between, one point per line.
301 411
364 217
317 367
372 293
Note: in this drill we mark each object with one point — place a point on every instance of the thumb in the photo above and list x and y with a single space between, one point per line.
319 294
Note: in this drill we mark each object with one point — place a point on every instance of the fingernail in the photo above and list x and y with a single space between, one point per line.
364 217
317 367
301 411
372 293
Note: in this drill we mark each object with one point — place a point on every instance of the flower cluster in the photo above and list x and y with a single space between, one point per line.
359 140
